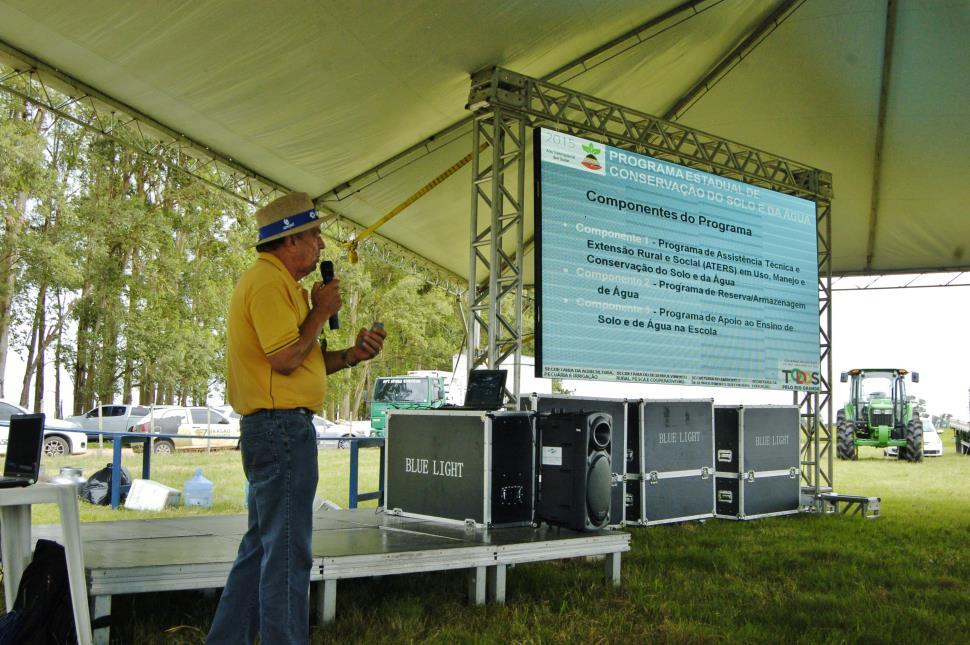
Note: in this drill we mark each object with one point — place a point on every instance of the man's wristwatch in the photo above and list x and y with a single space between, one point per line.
343 357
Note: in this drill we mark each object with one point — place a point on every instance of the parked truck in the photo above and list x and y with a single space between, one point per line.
431 389
961 434
412 391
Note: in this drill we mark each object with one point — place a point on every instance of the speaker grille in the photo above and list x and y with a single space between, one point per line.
598 489
601 429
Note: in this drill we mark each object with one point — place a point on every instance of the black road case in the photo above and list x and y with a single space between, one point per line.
673 477
757 456
462 466
617 409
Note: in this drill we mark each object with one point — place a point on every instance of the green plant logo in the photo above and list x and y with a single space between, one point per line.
591 161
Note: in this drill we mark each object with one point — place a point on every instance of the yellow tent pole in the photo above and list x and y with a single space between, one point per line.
353 244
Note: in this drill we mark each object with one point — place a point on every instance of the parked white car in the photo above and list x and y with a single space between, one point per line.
342 429
110 418
932 443
200 424
60 437
325 428
227 411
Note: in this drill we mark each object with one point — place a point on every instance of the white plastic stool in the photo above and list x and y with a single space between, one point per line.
15 544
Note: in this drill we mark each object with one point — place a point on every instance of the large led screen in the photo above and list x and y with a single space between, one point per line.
648 271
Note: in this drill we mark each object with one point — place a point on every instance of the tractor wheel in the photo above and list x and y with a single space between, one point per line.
845 446
913 450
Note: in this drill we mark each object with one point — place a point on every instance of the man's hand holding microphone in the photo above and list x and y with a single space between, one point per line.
326 297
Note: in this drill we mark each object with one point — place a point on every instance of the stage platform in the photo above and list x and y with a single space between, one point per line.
144 556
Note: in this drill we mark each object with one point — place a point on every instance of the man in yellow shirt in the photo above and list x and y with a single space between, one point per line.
277 380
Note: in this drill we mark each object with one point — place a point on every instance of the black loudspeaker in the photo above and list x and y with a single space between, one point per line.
574 469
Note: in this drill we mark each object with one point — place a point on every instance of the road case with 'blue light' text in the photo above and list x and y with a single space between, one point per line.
460 466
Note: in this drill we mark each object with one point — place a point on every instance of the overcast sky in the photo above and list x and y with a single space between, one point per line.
919 329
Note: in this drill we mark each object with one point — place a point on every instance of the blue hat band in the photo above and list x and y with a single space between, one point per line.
287 224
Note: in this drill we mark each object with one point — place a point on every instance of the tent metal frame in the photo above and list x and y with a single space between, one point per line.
635 37
503 104
36 83
885 281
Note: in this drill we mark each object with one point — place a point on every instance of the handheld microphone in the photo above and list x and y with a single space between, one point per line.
326 272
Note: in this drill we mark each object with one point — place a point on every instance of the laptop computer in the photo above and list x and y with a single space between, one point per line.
25 443
486 391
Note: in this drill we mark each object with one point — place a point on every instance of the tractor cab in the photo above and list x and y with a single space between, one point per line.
878 412
878 399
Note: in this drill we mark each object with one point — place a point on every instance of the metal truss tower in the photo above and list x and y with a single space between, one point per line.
494 316
503 104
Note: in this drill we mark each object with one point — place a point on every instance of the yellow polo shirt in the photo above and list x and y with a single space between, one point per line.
265 314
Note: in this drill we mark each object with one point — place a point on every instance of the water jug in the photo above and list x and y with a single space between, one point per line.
69 475
198 491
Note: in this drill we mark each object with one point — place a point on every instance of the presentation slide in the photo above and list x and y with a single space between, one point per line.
648 271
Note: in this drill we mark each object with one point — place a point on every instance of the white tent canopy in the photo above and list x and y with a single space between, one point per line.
311 95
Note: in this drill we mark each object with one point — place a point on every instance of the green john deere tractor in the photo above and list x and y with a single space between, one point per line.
879 414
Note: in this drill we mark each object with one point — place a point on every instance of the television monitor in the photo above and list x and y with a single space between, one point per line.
649 271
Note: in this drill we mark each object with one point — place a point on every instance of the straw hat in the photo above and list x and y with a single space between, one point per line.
285 216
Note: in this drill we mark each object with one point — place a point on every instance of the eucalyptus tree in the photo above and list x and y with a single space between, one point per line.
24 179
49 261
162 255
124 266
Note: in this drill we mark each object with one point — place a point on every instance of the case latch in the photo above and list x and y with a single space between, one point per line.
705 473
654 477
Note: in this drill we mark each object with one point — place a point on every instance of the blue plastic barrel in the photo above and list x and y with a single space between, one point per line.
198 491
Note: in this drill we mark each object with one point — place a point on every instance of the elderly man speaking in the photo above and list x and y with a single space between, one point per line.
277 380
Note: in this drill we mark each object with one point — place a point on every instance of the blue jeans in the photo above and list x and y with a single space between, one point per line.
267 592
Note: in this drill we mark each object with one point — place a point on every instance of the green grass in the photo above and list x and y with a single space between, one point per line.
902 578
222 467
